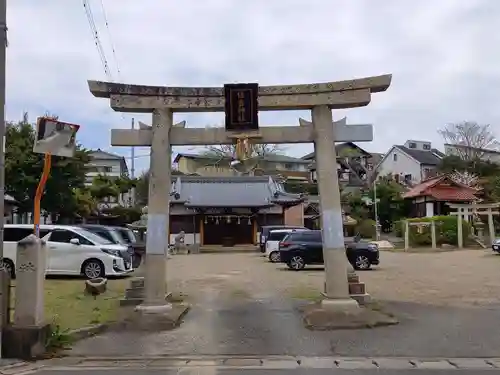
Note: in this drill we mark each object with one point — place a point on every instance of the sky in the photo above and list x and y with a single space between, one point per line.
444 57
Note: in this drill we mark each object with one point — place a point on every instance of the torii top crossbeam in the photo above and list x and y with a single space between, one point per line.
140 98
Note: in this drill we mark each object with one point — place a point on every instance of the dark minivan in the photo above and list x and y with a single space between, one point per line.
264 233
299 249
121 236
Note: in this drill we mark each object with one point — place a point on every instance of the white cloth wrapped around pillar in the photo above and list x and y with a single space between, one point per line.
30 277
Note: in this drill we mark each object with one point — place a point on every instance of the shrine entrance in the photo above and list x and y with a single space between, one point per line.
241 103
475 211
228 230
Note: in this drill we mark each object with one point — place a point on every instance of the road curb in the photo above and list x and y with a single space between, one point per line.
20 368
84 332
278 362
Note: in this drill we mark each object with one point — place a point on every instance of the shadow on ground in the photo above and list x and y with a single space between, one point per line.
274 327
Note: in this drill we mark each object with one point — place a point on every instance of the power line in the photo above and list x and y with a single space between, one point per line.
110 38
97 40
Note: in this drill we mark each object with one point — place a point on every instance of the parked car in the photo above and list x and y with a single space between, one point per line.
496 245
264 232
120 236
71 250
299 249
273 240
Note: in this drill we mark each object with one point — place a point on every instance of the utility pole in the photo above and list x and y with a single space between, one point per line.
3 52
132 168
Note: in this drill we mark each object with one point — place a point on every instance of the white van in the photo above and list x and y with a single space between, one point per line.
70 251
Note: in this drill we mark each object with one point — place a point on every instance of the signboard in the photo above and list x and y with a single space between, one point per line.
55 137
242 106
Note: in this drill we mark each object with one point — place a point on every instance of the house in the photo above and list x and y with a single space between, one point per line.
354 165
110 165
268 165
430 197
410 163
227 210
469 153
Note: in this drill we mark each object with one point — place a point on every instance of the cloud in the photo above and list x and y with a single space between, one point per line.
443 56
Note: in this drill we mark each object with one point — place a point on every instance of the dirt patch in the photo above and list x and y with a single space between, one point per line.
317 318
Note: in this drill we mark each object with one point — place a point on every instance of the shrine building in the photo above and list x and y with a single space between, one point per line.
431 197
228 210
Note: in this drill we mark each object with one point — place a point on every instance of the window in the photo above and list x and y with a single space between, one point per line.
289 166
64 236
127 235
407 177
426 146
412 145
305 236
395 157
105 234
277 236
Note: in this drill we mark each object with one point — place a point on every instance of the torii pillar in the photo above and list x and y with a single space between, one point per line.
320 98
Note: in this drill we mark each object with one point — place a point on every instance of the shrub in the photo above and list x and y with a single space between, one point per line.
366 228
446 230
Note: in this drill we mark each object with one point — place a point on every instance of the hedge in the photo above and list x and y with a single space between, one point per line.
446 230
366 228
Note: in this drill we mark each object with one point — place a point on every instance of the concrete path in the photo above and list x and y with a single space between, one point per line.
273 327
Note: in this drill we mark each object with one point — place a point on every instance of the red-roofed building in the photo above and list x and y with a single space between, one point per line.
429 198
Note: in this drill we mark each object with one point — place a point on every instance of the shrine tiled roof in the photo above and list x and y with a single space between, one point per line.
442 188
240 191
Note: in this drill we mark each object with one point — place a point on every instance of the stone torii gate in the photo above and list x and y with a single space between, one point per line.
163 101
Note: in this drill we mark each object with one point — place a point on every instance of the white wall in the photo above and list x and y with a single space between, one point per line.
402 166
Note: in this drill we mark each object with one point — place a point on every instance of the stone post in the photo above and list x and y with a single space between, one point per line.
336 285
28 335
157 240
491 227
433 234
406 228
459 229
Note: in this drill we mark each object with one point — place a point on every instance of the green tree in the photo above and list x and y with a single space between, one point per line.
23 170
103 188
142 187
390 204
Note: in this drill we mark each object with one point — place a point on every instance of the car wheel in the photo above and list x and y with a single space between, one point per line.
93 269
8 266
274 257
362 263
297 263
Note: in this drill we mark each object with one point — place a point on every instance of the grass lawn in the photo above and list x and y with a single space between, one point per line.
66 304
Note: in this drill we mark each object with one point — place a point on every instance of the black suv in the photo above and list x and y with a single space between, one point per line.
299 249
264 233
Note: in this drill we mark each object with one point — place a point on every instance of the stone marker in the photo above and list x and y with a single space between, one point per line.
26 338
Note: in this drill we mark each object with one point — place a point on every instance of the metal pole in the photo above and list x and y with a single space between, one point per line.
3 52
375 202
132 168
